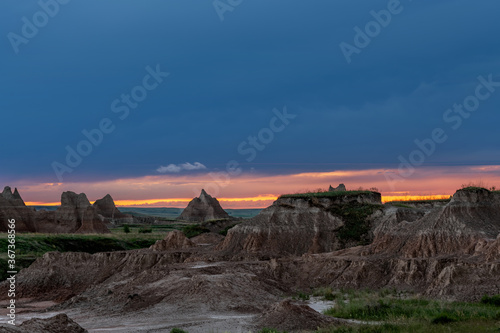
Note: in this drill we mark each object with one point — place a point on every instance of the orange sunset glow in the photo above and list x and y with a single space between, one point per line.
259 191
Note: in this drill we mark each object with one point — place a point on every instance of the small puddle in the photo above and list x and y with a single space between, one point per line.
319 305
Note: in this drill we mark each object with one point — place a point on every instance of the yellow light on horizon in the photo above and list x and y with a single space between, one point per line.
388 198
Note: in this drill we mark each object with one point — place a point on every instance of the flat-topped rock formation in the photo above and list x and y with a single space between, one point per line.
203 208
304 223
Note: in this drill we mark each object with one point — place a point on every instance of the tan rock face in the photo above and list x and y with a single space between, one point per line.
468 225
294 226
203 208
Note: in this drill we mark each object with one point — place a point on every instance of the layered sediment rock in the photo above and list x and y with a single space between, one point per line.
468 225
203 208
296 225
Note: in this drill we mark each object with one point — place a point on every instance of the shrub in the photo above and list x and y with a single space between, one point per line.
356 226
226 229
491 300
194 230
177 330
126 229
145 230
443 319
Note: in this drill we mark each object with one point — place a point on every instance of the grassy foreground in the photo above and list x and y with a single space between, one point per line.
390 311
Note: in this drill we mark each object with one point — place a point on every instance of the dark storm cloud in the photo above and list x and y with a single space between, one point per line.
227 76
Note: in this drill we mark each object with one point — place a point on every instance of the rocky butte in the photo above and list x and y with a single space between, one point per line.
203 208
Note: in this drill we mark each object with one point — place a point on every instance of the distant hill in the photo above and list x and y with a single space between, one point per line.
167 212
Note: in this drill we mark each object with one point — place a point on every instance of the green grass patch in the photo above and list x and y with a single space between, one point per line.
194 230
390 311
177 330
226 229
491 300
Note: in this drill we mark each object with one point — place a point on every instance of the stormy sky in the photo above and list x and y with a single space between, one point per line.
104 91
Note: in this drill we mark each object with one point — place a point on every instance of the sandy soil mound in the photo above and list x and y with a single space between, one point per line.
288 316
60 323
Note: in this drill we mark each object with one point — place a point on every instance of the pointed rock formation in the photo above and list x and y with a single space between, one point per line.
202 209
14 198
109 214
12 206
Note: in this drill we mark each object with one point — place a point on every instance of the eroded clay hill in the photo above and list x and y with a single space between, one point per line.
298 224
203 208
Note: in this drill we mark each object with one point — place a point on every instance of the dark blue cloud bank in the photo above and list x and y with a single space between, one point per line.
72 67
